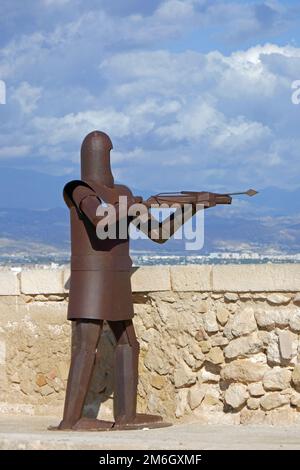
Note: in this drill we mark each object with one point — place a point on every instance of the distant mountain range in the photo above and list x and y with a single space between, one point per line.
32 190
27 189
33 219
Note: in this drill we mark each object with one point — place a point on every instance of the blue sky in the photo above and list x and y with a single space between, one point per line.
195 94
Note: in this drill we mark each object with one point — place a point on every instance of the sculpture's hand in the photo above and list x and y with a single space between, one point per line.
128 202
223 199
137 200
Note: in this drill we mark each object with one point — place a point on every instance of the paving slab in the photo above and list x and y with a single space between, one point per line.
30 432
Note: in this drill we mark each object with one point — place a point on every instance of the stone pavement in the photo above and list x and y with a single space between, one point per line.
28 432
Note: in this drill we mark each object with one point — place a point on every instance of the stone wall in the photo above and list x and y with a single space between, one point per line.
219 344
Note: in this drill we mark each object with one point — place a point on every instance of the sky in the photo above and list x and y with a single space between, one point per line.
194 94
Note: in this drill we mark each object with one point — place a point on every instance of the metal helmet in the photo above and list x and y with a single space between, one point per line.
95 158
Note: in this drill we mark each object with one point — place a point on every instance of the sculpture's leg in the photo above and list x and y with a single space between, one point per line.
126 380
84 344
125 372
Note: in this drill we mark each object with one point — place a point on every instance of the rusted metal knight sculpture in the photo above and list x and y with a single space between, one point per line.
100 287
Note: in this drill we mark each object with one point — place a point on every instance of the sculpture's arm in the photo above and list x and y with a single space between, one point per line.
91 206
160 232
187 205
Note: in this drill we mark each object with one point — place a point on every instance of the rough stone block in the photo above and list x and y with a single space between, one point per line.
9 283
191 278
288 343
210 322
222 315
215 356
195 397
282 346
243 370
256 389
252 417
183 376
273 400
281 417
253 403
256 278
242 323
278 299
42 281
295 320
268 318
277 379
236 395
151 279
231 297
244 346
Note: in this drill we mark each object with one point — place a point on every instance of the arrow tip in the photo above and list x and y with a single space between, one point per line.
251 192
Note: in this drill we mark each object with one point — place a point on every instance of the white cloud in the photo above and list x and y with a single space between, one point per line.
206 115
72 127
55 2
171 10
15 151
92 31
227 109
201 121
27 96
2 92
